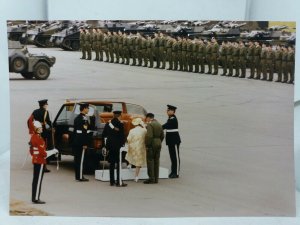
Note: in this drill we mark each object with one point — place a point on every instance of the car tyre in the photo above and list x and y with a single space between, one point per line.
18 64
41 71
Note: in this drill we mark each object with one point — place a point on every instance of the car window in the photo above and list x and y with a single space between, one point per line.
135 109
109 107
65 115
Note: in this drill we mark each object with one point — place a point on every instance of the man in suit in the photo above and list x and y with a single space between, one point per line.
173 140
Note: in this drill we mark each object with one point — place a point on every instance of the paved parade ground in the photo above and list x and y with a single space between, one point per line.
236 153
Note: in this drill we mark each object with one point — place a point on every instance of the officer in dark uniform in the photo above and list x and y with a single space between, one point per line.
81 140
114 137
173 141
42 115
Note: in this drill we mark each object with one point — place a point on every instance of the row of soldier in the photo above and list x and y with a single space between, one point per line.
190 55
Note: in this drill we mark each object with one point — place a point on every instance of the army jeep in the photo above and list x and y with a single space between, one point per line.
29 65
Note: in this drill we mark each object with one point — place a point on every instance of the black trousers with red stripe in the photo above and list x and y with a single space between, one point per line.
38 174
175 158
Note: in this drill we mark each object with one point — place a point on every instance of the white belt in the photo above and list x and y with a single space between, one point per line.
35 153
172 130
80 131
35 148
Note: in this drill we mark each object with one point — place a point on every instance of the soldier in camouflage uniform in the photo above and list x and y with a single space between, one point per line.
284 64
150 51
208 56
139 50
230 58
291 64
120 59
183 54
144 51
95 44
189 55
110 46
243 59
257 52
196 55
179 53
278 63
82 43
175 55
214 56
263 61
162 50
250 55
201 55
223 54
270 62
133 48
115 47
156 51
169 43
126 55
236 57
100 40
88 45
105 47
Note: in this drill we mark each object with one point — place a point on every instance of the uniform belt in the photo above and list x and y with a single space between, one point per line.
36 152
34 148
172 130
80 131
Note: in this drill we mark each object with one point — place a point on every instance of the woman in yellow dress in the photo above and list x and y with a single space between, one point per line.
136 154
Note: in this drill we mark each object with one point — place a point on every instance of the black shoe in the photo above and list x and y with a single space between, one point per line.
46 170
121 185
149 182
38 202
82 58
241 76
173 176
112 184
83 180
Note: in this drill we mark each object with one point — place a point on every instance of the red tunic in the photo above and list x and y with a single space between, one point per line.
38 149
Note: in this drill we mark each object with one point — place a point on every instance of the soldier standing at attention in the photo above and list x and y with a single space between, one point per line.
169 43
88 44
126 56
223 54
114 134
105 47
230 58
243 59
270 62
144 52
184 54
100 40
214 55
120 48
201 54
173 141
39 155
153 140
278 60
236 57
94 38
208 56
263 61
110 47
82 43
284 64
162 50
251 60
156 46
257 52
189 55
179 53
81 140
139 46
291 64
196 55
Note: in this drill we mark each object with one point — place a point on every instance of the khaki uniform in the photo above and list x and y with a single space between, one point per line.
278 64
169 53
257 52
223 54
214 57
174 60
183 55
95 45
251 61
88 45
270 64
189 56
208 57
236 63
201 57
291 65
230 60
82 44
162 51
284 66
243 61
263 63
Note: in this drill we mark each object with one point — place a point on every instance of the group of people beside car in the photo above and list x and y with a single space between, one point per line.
144 145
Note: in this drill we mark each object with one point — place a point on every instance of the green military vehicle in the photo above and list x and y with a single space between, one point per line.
29 65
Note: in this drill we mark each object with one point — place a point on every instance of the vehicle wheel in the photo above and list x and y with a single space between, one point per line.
75 45
41 71
27 75
18 64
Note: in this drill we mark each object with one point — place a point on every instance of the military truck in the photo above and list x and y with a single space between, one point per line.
29 65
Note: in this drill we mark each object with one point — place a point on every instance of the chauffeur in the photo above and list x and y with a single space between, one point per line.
81 140
114 134
173 141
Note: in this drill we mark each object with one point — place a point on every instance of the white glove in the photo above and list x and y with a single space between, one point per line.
51 152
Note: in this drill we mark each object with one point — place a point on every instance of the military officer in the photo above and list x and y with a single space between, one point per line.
169 44
110 47
156 51
284 64
208 56
120 59
173 141
184 54
189 55
126 56
95 47
263 61
88 44
230 58
257 52
81 140
150 51
100 40
105 46
196 55
236 57
82 43
179 53
153 140
38 152
114 134
201 55
162 50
